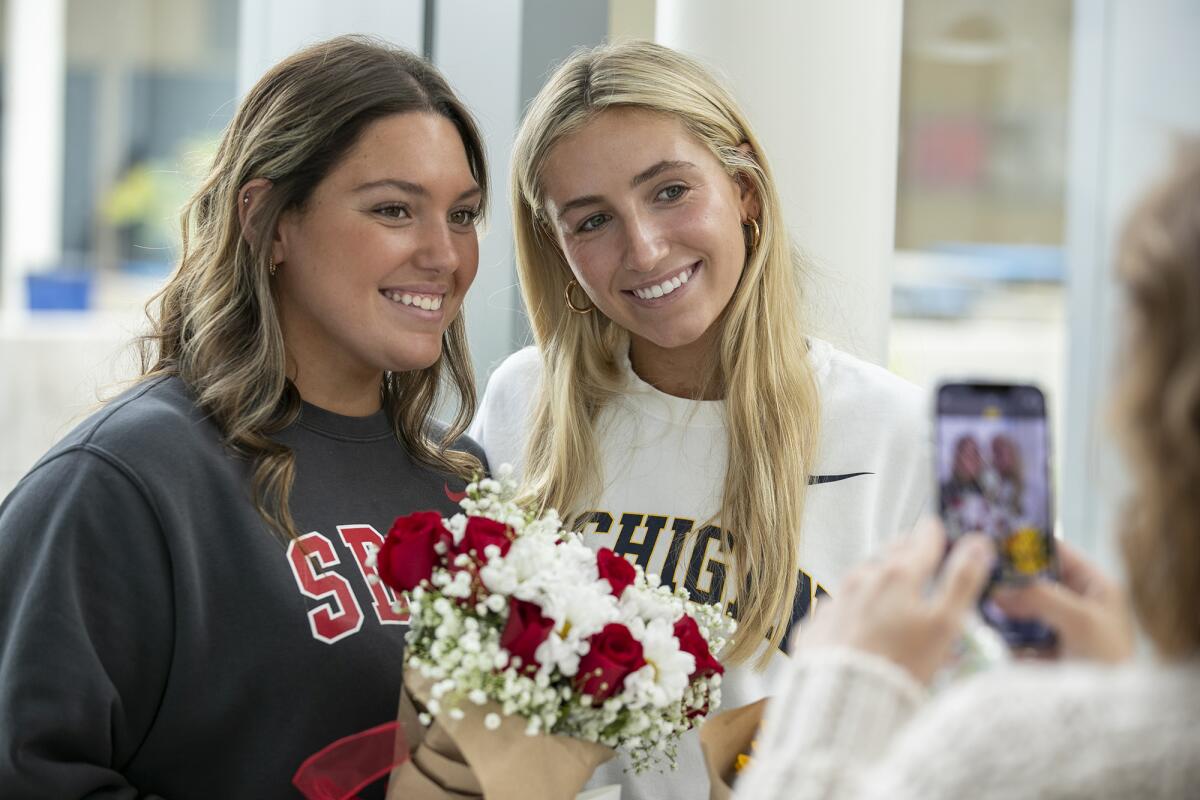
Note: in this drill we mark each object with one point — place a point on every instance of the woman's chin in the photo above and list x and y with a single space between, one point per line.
414 358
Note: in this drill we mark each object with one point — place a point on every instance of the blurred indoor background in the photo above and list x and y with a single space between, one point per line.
955 171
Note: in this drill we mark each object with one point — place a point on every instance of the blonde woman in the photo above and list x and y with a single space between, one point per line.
674 409
852 720
186 595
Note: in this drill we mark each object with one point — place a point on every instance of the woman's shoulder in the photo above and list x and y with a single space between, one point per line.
500 426
1079 699
865 396
519 372
512 386
1121 731
843 376
152 423
148 437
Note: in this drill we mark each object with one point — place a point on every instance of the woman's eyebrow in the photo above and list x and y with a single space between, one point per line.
640 178
411 188
658 168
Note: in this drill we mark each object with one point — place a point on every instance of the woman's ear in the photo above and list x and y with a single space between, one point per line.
250 197
750 201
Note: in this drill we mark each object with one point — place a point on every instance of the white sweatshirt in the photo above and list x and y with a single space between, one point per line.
663 460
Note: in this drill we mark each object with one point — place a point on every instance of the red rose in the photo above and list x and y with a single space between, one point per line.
614 654
408 555
690 641
525 630
615 569
481 532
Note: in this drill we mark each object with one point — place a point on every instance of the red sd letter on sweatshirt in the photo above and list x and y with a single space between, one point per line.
340 615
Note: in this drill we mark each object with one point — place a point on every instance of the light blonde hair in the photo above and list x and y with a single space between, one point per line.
215 323
760 366
1158 409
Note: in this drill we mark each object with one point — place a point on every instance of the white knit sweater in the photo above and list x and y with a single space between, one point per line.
849 725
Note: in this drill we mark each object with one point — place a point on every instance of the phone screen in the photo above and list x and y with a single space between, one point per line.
993 472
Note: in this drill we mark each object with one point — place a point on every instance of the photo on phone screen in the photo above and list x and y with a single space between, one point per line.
993 473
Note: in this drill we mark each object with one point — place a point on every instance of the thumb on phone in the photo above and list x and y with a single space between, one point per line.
1045 601
965 572
1088 627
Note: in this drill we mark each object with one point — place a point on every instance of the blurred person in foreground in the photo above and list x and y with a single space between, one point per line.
186 599
853 718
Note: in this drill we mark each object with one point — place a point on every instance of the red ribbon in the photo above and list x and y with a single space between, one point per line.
344 768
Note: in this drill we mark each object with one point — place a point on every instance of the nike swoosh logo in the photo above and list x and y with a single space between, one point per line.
455 497
814 480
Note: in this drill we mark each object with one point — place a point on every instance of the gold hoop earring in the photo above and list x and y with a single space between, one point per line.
571 305
755 232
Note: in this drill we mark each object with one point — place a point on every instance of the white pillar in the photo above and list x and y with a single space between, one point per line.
478 48
270 30
34 88
1135 92
820 82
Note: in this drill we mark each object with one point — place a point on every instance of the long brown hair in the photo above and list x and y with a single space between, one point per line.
215 323
1158 409
761 364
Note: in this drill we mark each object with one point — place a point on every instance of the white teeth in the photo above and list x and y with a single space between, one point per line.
426 302
664 288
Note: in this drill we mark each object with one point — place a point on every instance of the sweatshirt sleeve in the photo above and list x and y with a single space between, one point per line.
86 626
834 717
847 725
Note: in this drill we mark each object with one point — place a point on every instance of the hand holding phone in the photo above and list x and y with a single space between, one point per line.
1088 609
993 463
907 606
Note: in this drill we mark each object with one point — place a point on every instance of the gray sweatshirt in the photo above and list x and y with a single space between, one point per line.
157 640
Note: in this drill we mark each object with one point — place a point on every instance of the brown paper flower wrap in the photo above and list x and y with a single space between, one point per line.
723 738
461 758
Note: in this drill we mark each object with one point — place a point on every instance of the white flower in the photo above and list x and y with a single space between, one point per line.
457 525
665 677
455 628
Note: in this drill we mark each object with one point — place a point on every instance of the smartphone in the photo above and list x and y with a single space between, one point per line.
993 475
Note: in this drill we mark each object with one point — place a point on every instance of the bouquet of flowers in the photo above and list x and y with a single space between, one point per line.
525 644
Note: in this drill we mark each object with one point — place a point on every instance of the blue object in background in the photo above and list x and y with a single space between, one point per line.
59 291
1005 263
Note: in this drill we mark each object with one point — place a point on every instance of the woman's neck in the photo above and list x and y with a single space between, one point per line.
679 371
350 398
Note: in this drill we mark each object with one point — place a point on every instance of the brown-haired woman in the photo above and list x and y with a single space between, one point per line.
850 721
187 590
